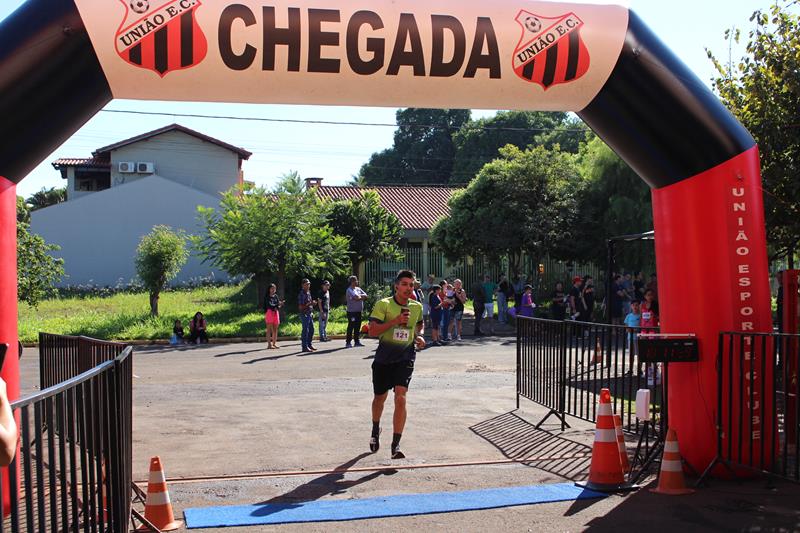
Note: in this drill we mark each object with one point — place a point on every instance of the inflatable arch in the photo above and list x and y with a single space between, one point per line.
61 61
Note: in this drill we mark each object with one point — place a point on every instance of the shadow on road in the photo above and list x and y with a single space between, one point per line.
518 439
328 484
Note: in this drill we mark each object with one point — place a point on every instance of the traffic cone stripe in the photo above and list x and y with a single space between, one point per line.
605 435
671 480
157 498
671 466
623 452
158 509
605 472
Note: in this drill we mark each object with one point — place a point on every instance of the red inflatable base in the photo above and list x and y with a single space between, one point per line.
711 257
8 299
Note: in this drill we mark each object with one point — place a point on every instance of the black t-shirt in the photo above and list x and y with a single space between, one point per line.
272 302
459 305
325 300
478 294
506 288
638 288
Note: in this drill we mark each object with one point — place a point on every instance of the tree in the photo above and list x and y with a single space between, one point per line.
291 183
23 213
37 270
763 91
159 257
47 197
615 201
262 234
372 230
423 148
524 202
478 142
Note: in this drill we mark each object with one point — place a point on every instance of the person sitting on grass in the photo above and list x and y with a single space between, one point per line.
197 329
177 333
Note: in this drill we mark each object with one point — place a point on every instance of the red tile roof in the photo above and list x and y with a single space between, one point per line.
91 162
418 208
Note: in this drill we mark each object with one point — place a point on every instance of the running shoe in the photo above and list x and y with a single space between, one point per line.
359 344
397 454
375 442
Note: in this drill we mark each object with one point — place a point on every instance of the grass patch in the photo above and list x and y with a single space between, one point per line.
229 310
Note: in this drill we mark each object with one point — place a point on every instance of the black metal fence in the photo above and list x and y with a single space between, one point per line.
563 365
74 468
758 404
62 357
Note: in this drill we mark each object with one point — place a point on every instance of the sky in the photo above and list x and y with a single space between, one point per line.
336 152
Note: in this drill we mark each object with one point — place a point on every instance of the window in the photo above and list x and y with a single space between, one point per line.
92 181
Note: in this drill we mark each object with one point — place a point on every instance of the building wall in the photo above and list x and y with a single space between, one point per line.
99 232
182 158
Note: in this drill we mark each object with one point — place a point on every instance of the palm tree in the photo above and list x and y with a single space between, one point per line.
47 197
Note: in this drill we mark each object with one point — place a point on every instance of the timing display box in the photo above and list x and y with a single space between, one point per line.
668 348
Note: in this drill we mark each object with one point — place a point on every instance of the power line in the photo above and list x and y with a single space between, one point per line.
339 123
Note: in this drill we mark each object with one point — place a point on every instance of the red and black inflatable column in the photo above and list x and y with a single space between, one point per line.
51 84
708 211
8 297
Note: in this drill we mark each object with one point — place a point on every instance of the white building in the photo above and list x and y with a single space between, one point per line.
116 197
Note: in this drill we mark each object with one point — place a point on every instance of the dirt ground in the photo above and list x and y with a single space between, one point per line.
242 410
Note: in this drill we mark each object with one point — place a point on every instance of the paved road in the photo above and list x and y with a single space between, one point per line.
241 409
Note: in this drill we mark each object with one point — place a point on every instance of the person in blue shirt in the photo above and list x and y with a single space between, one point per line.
633 321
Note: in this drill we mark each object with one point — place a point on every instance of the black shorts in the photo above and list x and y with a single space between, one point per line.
385 377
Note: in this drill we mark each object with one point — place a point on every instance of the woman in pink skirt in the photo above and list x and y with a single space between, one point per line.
272 317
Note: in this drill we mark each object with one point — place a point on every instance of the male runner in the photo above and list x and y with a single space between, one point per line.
397 322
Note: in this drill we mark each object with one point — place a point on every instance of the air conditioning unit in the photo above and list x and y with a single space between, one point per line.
145 167
127 167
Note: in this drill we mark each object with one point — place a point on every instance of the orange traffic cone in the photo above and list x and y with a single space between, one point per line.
605 473
623 452
157 507
670 480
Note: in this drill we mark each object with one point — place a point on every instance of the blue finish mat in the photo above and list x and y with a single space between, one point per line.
400 505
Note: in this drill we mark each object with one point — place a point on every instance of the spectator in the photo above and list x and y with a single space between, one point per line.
627 287
558 303
459 297
435 305
177 333
197 329
324 303
649 312
272 317
447 304
489 289
478 304
519 288
638 286
419 295
633 321
574 297
504 290
426 289
615 300
653 285
355 307
527 306
305 308
8 428
586 301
